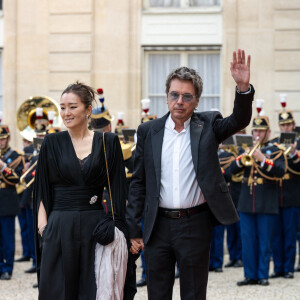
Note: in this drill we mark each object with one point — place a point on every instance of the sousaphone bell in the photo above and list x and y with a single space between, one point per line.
26 114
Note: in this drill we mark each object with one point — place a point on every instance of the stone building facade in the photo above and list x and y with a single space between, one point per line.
128 47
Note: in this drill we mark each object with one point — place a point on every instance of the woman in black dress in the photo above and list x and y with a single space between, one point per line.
71 175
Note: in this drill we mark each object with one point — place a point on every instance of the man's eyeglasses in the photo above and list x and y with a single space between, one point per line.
174 96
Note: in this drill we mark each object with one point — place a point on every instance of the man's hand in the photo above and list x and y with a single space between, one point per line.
1 164
240 71
293 148
258 155
136 245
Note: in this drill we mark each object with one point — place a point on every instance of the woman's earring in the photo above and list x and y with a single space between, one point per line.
87 117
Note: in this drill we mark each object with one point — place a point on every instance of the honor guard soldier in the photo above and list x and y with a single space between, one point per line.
285 234
234 243
120 125
42 128
28 178
258 201
145 114
227 153
27 153
101 121
11 167
31 120
216 254
146 118
127 147
100 117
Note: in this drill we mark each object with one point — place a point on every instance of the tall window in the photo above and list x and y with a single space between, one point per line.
181 3
1 83
164 3
204 2
159 64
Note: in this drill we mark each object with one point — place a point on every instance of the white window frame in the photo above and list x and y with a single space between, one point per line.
184 4
183 62
1 80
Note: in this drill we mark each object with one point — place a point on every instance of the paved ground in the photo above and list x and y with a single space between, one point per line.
221 286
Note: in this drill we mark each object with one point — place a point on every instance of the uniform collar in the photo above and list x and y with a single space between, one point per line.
3 151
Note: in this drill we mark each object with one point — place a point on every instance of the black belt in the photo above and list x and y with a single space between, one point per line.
77 198
182 213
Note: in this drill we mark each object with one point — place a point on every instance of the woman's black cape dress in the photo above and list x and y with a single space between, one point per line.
65 255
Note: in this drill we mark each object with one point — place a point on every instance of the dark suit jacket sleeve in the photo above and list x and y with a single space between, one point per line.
238 120
137 190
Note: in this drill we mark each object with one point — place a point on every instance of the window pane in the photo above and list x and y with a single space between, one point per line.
208 66
1 83
160 66
204 2
165 3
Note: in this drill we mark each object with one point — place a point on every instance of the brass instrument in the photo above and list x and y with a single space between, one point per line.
247 159
232 149
25 118
22 178
22 182
29 183
287 150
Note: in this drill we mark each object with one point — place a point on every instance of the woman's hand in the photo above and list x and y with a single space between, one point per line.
136 245
42 219
41 230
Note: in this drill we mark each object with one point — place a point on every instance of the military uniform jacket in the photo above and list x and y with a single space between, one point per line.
261 195
27 194
234 181
9 177
289 189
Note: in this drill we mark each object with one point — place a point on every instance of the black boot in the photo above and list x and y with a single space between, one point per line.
247 281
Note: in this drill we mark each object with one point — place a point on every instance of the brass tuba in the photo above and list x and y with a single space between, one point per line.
25 118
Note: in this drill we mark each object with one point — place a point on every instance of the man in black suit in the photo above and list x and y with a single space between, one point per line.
178 185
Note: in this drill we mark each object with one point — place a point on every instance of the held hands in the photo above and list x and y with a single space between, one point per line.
136 245
240 71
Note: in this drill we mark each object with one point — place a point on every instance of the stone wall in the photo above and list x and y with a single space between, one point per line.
49 44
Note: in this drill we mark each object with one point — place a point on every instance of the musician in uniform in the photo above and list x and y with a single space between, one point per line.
100 121
234 181
27 153
11 167
258 201
40 129
285 234
216 253
297 269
